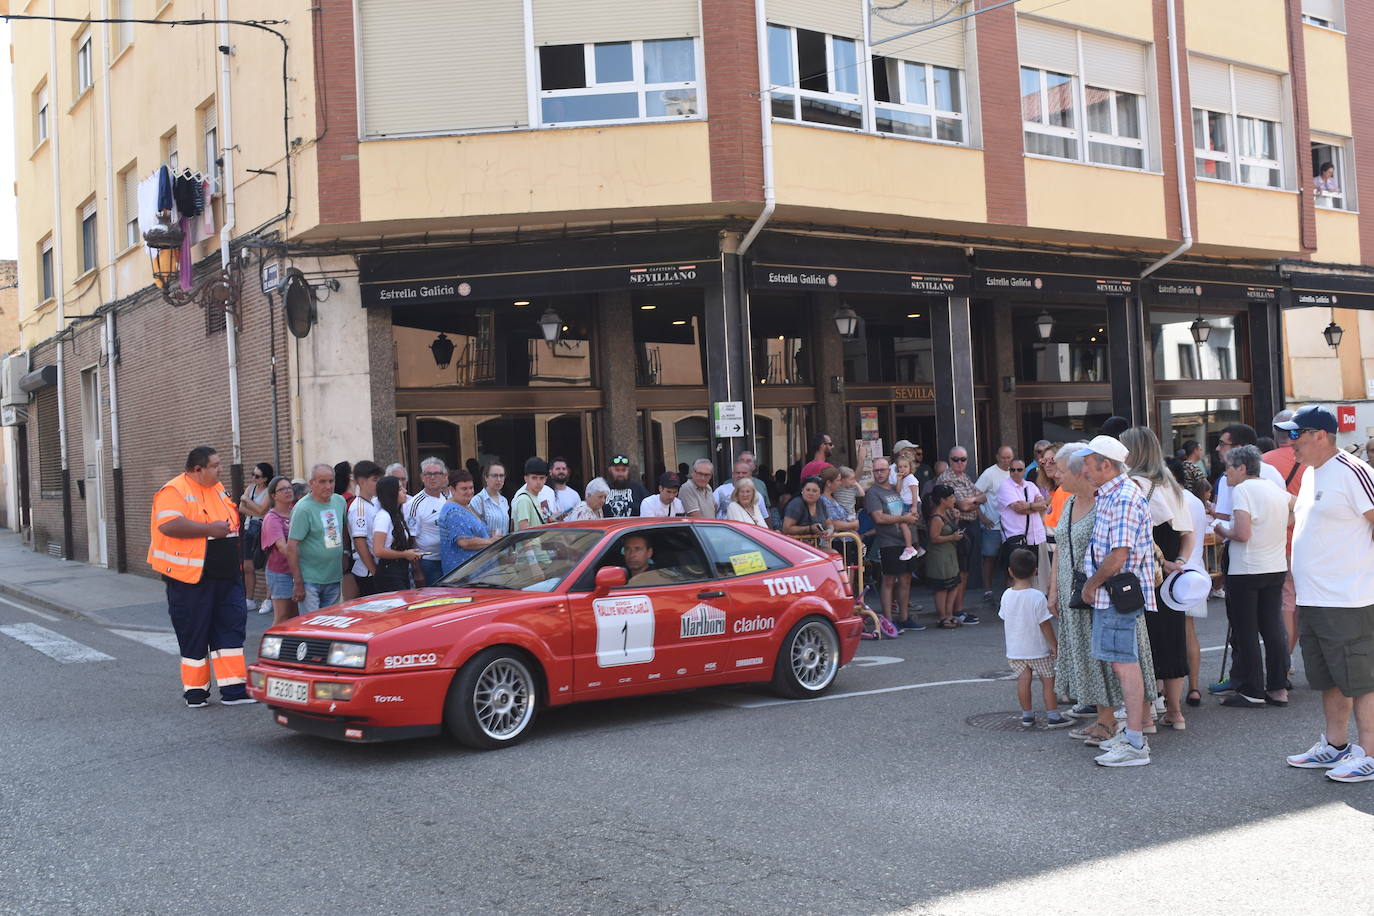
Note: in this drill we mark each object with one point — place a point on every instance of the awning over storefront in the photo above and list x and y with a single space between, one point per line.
477 272
1346 292
1031 277
1183 285
780 262
38 379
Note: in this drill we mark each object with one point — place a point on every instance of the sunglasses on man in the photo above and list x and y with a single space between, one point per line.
1296 434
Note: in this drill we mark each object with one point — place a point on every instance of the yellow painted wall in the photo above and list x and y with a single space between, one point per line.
594 168
1249 31
156 84
1328 80
835 170
1121 17
1241 217
1085 198
1338 237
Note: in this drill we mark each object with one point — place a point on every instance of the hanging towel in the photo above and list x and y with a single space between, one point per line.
207 216
165 201
147 203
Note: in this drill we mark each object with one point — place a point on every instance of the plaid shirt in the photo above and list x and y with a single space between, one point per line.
1123 520
963 489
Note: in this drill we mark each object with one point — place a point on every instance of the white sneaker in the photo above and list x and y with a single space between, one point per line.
1123 754
266 606
1160 706
1359 767
908 553
1217 593
1322 756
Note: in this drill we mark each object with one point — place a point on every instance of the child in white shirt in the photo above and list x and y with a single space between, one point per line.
910 490
1031 645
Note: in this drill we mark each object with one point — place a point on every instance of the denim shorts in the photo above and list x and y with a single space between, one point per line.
1114 636
992 540
280 585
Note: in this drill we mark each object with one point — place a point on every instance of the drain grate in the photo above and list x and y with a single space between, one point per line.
1005 722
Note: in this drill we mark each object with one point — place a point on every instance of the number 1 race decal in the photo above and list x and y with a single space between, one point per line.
624 630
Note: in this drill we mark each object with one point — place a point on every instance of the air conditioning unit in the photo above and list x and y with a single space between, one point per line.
14 368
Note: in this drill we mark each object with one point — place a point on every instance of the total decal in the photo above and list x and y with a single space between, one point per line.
702 620
413 660
331 620
754 624
789 585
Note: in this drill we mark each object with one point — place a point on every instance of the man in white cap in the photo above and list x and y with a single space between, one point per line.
1122 542
1333 570
1282 459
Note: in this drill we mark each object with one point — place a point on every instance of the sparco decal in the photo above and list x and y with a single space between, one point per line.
789 585
754 624
702 620
414 660
330 620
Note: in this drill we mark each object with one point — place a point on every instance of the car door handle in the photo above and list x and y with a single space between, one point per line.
710 594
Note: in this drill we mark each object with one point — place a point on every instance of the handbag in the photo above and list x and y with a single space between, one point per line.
253 529
1124 590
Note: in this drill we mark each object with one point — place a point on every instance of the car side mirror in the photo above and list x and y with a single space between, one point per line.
609 577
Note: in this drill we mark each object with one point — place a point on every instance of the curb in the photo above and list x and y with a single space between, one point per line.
18 593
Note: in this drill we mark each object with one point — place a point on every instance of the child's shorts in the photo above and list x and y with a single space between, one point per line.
1042 668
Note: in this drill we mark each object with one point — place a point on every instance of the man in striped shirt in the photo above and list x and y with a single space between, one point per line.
1333 572
1122 541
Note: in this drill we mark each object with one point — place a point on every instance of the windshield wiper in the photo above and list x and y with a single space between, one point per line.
480 585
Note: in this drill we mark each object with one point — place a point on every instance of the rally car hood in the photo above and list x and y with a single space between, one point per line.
377 614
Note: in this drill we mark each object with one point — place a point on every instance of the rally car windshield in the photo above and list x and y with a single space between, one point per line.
532 561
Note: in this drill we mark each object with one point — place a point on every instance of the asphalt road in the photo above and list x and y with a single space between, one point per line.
116 799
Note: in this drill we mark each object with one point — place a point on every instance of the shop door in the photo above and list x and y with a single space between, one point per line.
916 423
93 461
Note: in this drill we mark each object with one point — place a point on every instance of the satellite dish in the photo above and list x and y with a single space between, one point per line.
299 300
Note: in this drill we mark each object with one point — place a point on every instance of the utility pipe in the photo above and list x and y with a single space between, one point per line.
225 111
112 235
1180 160
59 284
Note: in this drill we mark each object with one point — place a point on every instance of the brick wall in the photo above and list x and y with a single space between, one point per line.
732 87
1164 92
336 111
1359 55
173 395
999 89
1302 132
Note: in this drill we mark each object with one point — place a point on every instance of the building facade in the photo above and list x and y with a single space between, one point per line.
585 227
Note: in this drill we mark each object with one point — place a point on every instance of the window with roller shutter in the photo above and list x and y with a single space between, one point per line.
1238 123
49 443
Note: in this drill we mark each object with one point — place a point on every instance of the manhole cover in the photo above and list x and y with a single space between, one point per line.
1006 722
1001 674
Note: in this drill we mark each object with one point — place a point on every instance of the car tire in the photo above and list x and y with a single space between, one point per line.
808 659
493 699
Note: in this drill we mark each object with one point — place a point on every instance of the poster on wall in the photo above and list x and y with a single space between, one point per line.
868 423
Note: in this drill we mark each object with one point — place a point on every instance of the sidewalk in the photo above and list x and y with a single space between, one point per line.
74 589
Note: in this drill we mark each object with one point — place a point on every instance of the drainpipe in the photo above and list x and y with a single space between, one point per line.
1180 160
770 203
112 390
59 284
224 109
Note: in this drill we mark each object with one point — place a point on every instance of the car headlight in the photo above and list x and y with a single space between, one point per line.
348 654
270 648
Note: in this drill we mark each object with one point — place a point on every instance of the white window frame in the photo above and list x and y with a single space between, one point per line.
132 237
1234 157
844 98
47 270
637 85
41 115
88 215
210 145
1214 155
123 31
171 155
1115 138
1335 25
85 64
1343 160
929 110
1053 130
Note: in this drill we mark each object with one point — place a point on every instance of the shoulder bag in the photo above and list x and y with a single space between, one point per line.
1124 590
1015 541
1080 577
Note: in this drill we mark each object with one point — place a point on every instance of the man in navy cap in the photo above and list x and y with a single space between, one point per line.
1333 571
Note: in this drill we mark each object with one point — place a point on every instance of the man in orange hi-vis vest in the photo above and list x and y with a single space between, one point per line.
195 529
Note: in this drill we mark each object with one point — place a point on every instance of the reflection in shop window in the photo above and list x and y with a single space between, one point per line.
780 339
1178 357
492 346
1198 419
1076 350
892 345
1062 421
669 339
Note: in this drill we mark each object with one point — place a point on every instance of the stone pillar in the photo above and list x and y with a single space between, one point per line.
728 376
1266 359
381 364
620 428
952 346
1125 351
827 351
1004 365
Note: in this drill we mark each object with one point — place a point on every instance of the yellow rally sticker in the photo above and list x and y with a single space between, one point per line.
437 602
746 563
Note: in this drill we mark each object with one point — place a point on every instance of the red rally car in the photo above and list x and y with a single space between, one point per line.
548 616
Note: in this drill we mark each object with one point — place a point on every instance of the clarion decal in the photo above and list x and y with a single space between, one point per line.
754 624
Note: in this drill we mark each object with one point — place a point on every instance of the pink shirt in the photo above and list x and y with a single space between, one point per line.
274 528
1013 522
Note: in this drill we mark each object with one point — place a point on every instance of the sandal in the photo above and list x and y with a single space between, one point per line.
1178 726
1194 698
949 623
1096 734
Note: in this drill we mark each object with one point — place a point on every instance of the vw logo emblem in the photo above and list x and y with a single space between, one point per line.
300 652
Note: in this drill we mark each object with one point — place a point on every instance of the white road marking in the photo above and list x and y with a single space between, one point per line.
54 645
22 607
164 642
759 704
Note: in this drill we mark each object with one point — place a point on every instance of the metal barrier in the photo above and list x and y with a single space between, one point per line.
857 568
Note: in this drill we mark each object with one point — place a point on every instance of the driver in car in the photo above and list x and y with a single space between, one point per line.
638 555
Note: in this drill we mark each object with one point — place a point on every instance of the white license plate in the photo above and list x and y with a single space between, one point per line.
291 691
